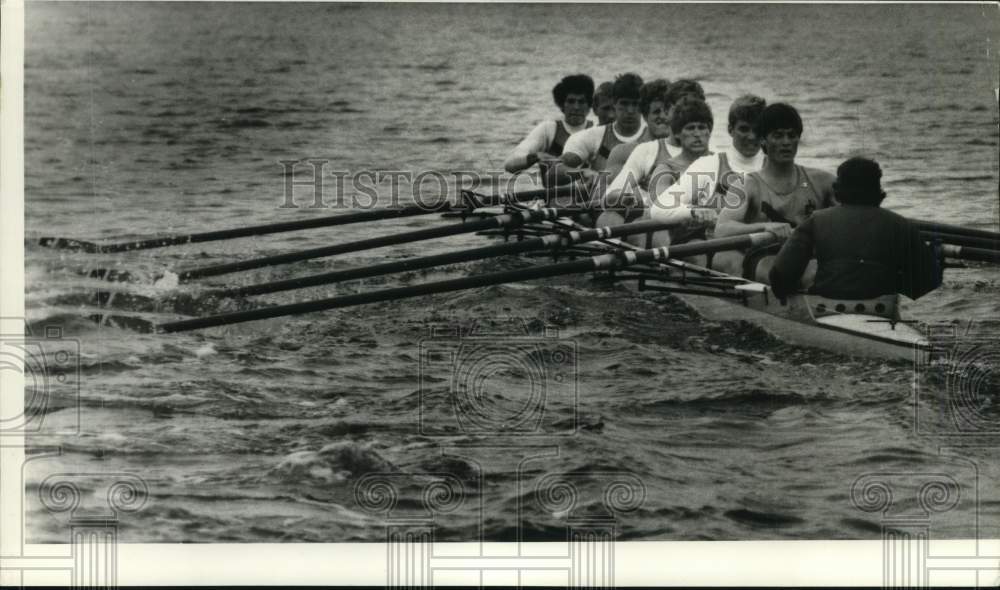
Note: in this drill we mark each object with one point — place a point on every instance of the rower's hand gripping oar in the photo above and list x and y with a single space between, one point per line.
610 261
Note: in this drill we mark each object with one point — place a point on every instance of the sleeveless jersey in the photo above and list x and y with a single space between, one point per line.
559 141
662 153
793 207
556 148
609 141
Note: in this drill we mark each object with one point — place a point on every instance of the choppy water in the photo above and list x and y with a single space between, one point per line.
146 118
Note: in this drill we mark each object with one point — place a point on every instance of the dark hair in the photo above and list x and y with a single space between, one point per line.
778 116
690 109
627 85
858 182
603 90
575 84
684 87
749 108
652 92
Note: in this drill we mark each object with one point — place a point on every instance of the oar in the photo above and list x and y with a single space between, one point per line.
596 263
495 222
286 226
242 232
561 240
960 240
956 230
969 253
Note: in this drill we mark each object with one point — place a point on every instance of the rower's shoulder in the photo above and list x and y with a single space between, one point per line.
819 176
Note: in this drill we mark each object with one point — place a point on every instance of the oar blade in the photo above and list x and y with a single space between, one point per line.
69 244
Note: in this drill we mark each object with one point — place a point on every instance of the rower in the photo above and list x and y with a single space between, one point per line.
678 90
604 104
644 157
655 112
586 153
779 197
701 187
690 125
862 250
547 140
690 121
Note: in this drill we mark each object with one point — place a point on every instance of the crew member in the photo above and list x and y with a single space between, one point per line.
589 149
691 122
708 179
862 250
655 112
646 156
678 90
547 140
604 104
782 195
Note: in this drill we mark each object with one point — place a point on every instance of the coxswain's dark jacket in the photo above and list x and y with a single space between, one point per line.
862 252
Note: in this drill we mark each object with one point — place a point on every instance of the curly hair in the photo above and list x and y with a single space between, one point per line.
575 84
627 85
690 109
652 92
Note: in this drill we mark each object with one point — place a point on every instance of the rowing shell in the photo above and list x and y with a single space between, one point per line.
868 328
864 328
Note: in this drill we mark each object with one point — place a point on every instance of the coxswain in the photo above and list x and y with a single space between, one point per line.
862 251
604 104
586 152
779 197
545 143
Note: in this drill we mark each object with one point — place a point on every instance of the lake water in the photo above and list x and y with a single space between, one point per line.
150 118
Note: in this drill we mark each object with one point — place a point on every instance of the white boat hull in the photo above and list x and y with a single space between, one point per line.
795 322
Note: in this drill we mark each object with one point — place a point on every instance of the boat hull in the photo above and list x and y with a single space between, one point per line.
795 322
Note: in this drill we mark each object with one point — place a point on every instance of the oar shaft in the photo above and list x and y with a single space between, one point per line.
568 267
968 253
550 241
356 246
601 262
957 230
961 240
719 244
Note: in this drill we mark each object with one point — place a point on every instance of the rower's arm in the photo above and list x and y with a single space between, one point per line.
675 202
791 261
735 205
627 179
526 153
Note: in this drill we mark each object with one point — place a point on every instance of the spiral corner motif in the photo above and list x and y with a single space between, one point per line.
376 494
939 496
625 495
128 495
556 493
871 495
444 495
59 495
